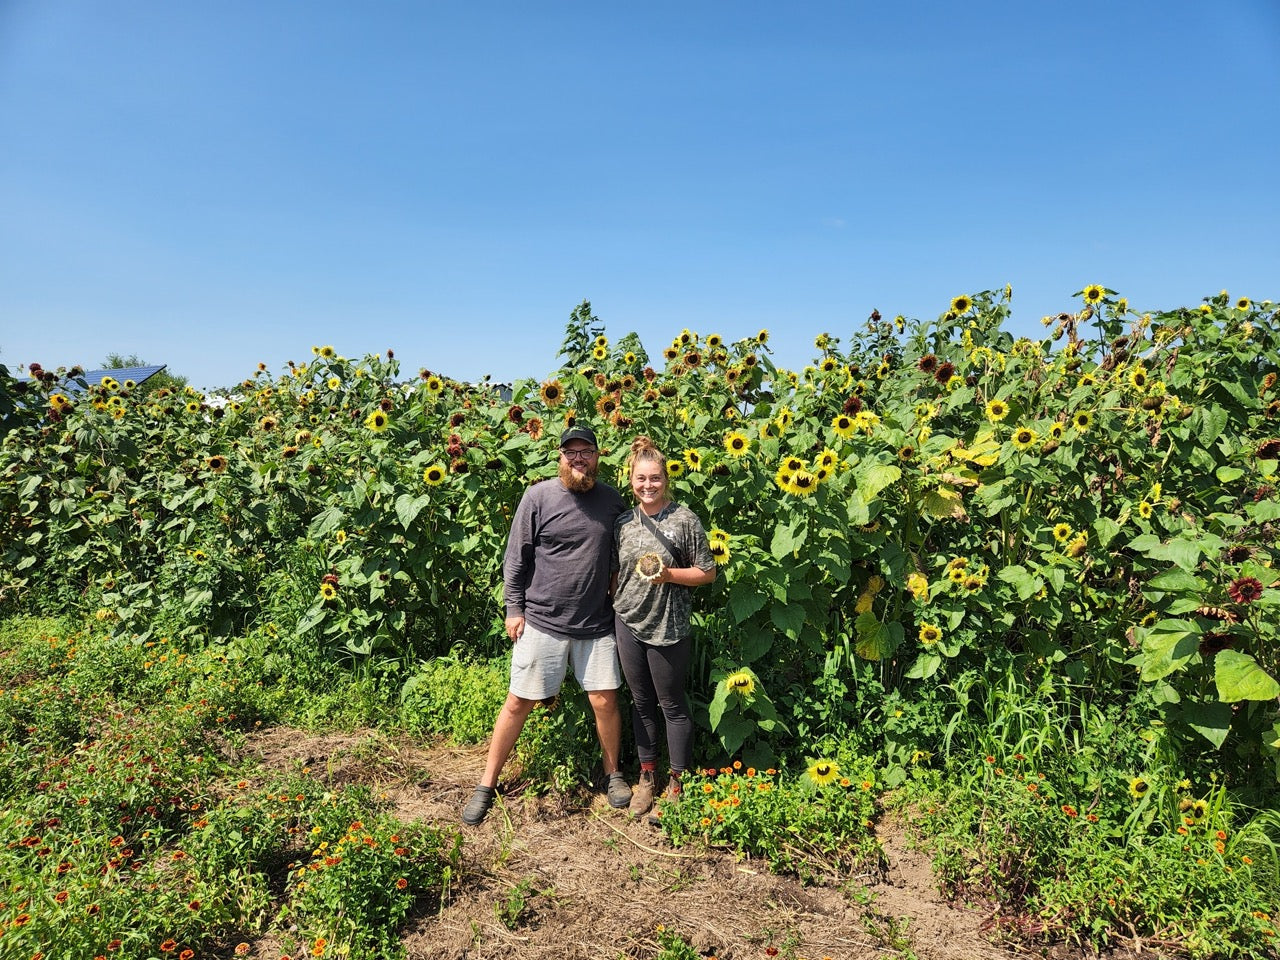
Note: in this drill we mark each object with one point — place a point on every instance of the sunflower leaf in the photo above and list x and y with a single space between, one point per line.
1238 677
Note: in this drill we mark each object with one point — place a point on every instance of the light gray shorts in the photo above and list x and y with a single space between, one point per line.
540 661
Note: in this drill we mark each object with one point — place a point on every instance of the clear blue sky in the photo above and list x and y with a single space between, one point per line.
210 185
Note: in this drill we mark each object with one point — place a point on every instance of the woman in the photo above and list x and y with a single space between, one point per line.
662 553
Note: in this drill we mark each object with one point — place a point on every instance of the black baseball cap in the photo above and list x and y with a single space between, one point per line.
579 433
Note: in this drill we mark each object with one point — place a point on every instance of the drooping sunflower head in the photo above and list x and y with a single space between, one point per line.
742 683
823 772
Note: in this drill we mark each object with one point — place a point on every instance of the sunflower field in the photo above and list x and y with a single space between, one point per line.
940 546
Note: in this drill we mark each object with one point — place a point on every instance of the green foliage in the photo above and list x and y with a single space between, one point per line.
454 699
126 829
814 825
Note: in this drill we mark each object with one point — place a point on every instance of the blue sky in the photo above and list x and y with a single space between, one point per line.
210 185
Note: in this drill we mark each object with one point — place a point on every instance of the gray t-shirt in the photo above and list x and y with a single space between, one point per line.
559 559
658 613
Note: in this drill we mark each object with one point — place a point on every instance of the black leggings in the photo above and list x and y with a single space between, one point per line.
655 676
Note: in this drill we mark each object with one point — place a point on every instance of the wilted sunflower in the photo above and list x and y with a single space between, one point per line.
823 772
1093 293
735 444
267 423
741 683
217 463
1077 546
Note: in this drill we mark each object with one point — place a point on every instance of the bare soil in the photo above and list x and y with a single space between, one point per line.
569 878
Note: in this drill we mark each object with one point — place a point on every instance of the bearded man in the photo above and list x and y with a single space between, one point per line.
556 574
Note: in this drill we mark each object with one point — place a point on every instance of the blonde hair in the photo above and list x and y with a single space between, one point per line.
642 448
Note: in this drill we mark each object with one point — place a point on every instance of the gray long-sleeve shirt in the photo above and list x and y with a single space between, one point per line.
558 561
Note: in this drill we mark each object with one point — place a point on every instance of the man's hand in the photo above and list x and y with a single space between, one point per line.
515 627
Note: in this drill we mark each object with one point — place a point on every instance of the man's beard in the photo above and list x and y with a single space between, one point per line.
580 482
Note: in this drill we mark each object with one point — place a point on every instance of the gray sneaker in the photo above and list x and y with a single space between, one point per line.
477 807
642 795
619 792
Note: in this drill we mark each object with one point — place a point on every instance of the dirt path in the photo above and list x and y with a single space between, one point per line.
545 879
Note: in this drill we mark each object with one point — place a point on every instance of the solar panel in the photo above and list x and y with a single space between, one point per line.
93 378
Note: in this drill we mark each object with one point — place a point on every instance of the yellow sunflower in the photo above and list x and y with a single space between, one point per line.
434 385
823 772
1243 303
328 591
843 425
693 459
675 468
1025 438
377 421
997 410
1138 788
1144 510
742 683
736 445
719 551
930 634
961 304
434 475
1082 421
803 484
599 353
1093 293
1062 532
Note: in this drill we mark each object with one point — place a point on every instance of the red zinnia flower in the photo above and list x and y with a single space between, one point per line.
1245 589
